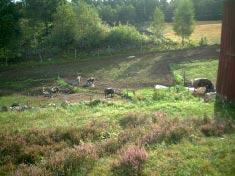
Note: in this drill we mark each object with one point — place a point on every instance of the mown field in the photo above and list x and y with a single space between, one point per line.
211 30
149 132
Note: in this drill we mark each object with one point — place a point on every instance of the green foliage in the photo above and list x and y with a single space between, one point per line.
124 35
196 69
64 30
126 14
62 84
203 41
184 19
158 23
90 30
9 17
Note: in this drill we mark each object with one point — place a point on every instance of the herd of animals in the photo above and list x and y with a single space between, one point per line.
200 86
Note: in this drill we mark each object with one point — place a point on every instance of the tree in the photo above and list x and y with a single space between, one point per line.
89 28
158 23
42 11
108 14
9 29
126 14
64 30
184 19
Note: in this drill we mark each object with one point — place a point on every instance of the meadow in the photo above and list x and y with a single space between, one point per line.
142 132
209 29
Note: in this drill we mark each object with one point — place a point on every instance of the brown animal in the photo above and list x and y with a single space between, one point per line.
201 91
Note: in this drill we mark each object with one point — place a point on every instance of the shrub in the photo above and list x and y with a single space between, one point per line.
11 149
132 120
124 35
94 103
95 130
159 117
70 136
216 127
79 158
131 161
131 135
31 170
62 84
203 41
38 136
110 146
169 131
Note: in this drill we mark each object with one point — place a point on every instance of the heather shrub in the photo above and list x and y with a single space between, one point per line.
11 149
160 117
169 131
132 120
70 136
176 134
38 136
109 146
31 170
77 159
217 127
95 130
131 161
131 135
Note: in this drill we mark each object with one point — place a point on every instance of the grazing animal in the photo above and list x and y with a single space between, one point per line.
200 92
54 89
79 77
90 82
203 82
46 93
109 92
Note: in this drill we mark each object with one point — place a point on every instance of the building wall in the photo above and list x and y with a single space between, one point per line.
226 72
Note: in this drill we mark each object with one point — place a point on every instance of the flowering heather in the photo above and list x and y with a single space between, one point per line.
131 161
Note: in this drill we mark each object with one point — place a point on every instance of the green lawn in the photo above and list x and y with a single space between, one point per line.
197 69
181 134
195 154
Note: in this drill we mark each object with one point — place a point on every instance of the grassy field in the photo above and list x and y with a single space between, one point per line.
197 69
211 30
149 132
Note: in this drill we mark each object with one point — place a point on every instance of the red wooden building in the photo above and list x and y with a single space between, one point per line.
226 72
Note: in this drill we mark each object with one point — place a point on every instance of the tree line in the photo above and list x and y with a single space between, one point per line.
136 11
44 28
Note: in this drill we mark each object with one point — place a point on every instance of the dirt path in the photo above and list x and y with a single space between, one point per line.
142 71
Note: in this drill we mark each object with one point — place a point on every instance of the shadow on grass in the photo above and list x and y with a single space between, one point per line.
224 109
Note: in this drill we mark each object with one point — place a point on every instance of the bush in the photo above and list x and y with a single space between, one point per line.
11 149
110 146
132 120
216 127
167 130
24 170
131 161
203 41
125 35
79 158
